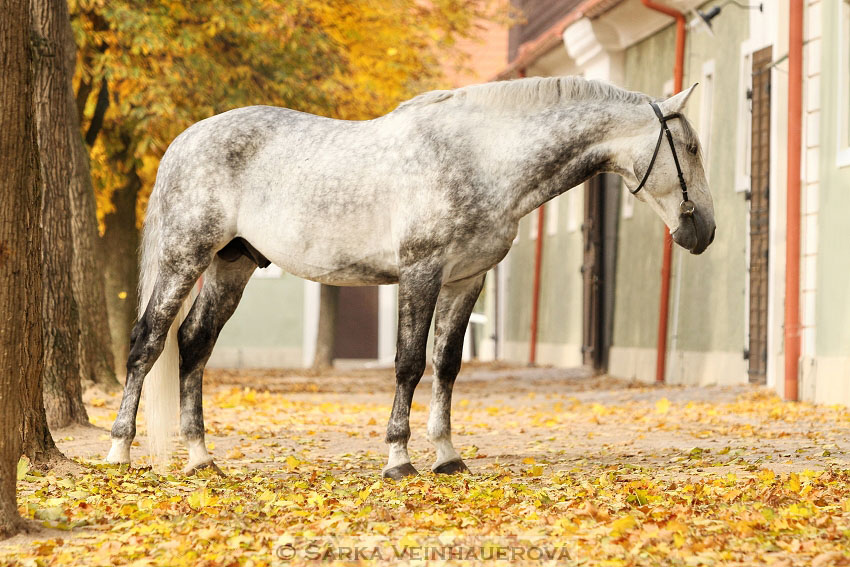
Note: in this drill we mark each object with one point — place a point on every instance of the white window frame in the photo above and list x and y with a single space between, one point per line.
551 220
743 150
843 82
575 207
706 106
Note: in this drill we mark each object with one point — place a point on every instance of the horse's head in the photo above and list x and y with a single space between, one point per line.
672 179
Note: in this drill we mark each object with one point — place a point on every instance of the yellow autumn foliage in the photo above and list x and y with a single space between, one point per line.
167 64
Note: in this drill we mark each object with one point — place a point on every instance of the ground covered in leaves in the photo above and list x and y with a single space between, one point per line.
566 470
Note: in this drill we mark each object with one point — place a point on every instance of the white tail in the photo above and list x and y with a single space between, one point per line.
162 384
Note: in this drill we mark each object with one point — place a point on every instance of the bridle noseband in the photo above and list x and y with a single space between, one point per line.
686 207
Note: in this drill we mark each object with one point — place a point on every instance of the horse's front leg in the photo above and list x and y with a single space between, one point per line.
418 288
452 316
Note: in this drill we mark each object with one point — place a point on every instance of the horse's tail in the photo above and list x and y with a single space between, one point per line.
162 384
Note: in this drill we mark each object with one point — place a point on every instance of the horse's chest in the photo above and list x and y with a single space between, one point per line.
474 252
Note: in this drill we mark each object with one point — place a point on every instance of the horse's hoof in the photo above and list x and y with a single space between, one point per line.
400 471
119 453
192 469
451 467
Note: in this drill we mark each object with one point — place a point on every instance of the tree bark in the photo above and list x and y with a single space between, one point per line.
54 113
97 361
325 337
20 249
120 252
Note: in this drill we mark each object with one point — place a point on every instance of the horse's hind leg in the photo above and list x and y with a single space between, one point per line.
452 316
224 282
173 284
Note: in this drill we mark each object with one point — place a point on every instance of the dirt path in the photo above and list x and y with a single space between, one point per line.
546 429
508 414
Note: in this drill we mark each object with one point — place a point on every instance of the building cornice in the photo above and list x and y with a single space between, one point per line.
594 26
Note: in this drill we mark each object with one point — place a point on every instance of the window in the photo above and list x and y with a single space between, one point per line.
705 113
844 84
745 78
552 216
575 207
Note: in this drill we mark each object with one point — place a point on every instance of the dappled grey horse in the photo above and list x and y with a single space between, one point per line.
428 196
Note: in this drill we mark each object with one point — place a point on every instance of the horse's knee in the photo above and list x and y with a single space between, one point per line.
410 367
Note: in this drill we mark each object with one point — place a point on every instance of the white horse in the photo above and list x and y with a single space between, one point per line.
428 196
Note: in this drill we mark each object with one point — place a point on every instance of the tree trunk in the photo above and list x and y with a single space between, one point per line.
328 305
120 252
54 113
97 361
20 249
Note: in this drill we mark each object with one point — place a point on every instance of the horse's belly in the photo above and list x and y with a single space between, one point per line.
363 271
330 255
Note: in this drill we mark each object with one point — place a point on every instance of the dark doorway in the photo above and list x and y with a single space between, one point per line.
759 198
601 203
356 333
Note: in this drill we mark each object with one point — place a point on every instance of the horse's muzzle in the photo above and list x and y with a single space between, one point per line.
694 233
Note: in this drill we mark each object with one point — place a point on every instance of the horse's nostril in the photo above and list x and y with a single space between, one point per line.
711 238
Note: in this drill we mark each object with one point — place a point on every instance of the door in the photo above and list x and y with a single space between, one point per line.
601 207
592 273
759 198
356 334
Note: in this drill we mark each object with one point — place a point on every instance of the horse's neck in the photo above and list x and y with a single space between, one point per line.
571 145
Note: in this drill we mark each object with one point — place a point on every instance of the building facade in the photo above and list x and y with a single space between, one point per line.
726 307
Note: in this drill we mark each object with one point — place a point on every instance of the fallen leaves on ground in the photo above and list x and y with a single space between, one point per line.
295 503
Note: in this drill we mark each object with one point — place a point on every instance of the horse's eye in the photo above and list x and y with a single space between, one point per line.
692 149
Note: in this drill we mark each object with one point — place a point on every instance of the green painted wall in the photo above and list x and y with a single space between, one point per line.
711 307
833 264
269 315
560 280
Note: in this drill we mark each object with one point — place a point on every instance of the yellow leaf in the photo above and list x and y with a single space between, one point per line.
621 525
23 467
662 406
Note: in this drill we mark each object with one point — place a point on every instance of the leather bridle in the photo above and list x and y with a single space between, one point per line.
686 207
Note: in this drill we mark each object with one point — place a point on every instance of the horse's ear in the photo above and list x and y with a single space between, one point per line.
677 102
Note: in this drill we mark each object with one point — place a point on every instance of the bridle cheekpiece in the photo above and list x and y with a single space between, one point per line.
687 207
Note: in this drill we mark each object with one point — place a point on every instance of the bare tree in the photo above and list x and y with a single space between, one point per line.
55 112
20 249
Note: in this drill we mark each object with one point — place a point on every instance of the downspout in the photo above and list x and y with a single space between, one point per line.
667 254
538 262
535 298
792 220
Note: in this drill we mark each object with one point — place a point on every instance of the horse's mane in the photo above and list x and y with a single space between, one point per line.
540 92
534 92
